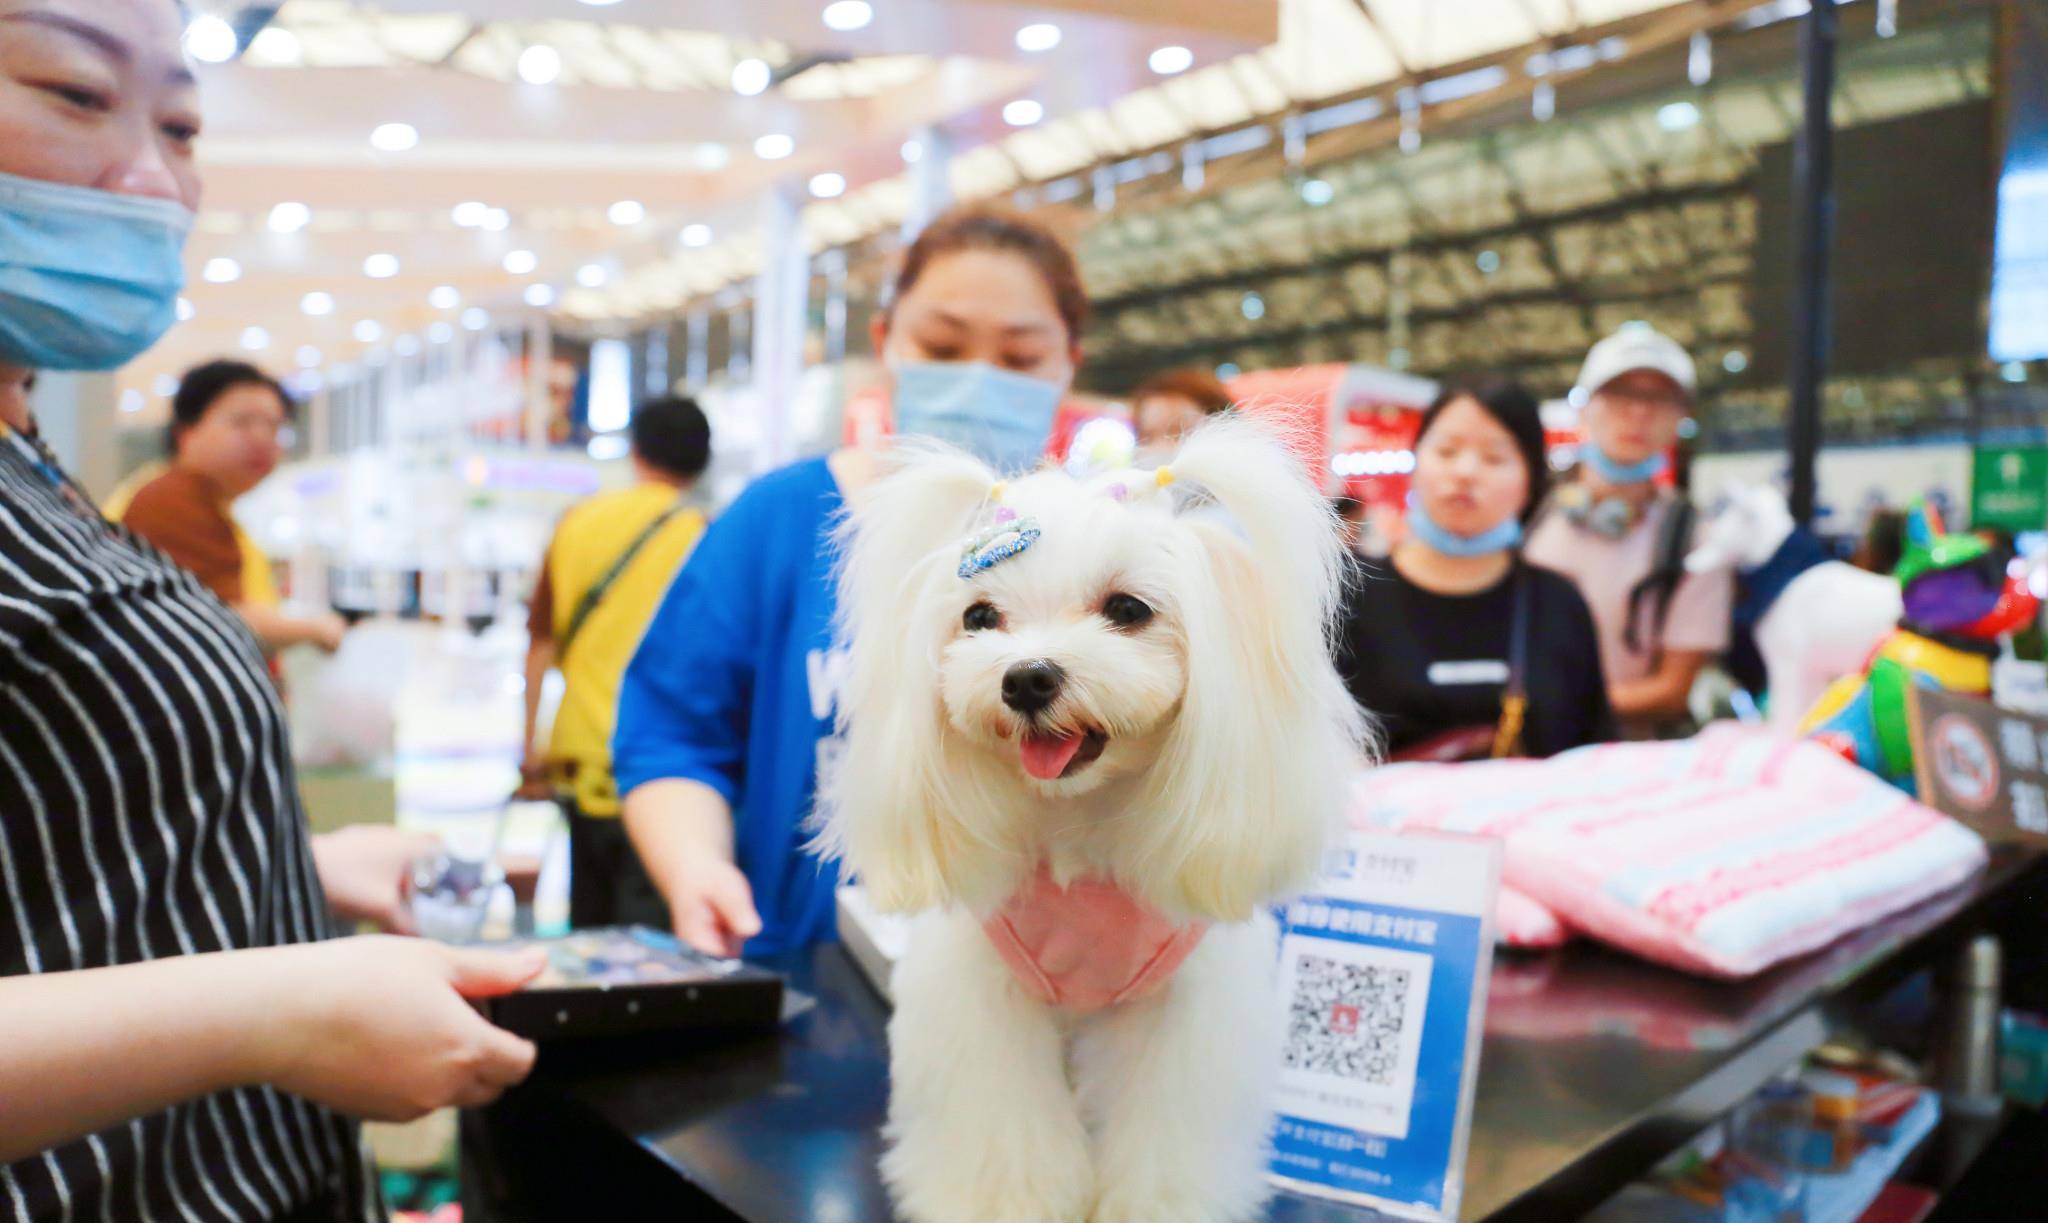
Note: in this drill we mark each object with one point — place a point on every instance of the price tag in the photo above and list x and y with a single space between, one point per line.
1383 973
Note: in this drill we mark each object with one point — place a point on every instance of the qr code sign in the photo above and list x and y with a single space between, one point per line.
1347 1019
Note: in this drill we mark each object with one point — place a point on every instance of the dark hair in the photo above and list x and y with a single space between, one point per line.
1202 388
988 229
672 436
1517 412
203 385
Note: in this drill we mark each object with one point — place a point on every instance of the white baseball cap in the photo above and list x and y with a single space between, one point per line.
1635 346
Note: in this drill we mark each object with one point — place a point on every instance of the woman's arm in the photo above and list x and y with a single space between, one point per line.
278 630
682 830
376 1027
1663 692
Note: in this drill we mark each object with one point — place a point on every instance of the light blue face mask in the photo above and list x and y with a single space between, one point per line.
88 278
1001 418
1622 473
1503 535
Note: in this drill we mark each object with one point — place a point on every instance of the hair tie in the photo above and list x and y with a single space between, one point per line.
1163 477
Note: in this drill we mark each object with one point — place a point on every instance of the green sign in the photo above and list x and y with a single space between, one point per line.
2009 488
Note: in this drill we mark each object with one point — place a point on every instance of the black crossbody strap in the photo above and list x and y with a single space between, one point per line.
602 586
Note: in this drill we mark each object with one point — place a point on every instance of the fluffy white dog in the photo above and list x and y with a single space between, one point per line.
1092 730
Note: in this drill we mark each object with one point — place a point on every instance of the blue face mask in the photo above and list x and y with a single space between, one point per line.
999 417
88 278
1622 473
1499 537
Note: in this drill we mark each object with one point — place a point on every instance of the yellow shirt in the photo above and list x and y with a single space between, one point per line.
587 542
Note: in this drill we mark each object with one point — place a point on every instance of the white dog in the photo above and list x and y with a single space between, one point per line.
1821 624
1092 730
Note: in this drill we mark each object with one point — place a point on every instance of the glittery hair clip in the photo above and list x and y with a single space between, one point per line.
1002 539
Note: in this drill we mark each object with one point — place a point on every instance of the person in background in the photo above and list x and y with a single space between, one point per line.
182 1041
726 712
1166 408
610 562
1623 538
1459 646
225 424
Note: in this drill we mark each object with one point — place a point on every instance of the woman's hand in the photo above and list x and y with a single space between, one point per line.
364 868
381 1027
711 905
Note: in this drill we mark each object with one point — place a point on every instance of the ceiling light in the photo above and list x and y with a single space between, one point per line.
440 333
276 45
913 152
255 339
471 214
309 357
712 157
540 64
1169 61
380 266
394 137
497 221
844 15
132 400
627 212
774 146
1677 116
290 218
407 345
369 331
1023 113
696 235
221 271
540 297
211 40
828 186
1043 36
521 263
1316 192
476 318
317 304
1735 361
444 297
751 76
186 309
1252 306
592 276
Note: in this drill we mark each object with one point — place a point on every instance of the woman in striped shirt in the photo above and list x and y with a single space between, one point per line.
176 1041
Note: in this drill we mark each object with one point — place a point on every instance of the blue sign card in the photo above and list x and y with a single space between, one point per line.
1383 971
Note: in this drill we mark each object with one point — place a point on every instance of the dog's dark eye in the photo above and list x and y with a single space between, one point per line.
1126 611
981 616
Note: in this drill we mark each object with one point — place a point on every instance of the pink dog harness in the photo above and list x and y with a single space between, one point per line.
1088 945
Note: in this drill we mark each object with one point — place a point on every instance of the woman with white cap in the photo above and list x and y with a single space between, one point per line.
179 1043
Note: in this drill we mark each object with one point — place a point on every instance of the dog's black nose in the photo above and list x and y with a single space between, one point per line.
1028 687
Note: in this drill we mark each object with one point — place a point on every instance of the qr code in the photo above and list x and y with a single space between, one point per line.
1346 1019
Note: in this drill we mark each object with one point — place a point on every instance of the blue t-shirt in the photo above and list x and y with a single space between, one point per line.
735 686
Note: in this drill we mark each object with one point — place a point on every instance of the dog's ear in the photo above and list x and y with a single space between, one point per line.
883 799
1254 775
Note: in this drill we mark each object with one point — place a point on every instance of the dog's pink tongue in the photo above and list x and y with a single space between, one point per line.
1047 756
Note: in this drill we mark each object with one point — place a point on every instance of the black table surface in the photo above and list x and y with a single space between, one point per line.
1594 1066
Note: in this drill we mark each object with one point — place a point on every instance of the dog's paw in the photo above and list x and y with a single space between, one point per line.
952 1177
1182 1195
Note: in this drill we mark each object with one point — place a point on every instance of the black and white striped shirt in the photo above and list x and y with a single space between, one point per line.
148 808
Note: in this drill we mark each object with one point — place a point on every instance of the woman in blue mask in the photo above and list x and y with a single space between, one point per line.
180 1042
1460 647
726 712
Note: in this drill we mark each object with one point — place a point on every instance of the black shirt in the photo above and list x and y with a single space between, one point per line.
148 809
1427 663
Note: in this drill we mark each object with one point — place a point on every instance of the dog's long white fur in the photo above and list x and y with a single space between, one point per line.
1230 740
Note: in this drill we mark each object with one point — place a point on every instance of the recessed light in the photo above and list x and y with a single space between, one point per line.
445 297
627 212
1042 36
317 304
290 217
711 157
540 64
521 263
497 221
696 235
211 40
276 45
381 266
308 357
471 214
540 297
774 146
1316 192
476 318
1023 113
369 331
221 271
1170 61
592 276
1677 116
394 137
255 339
751 76
844 15
828 186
